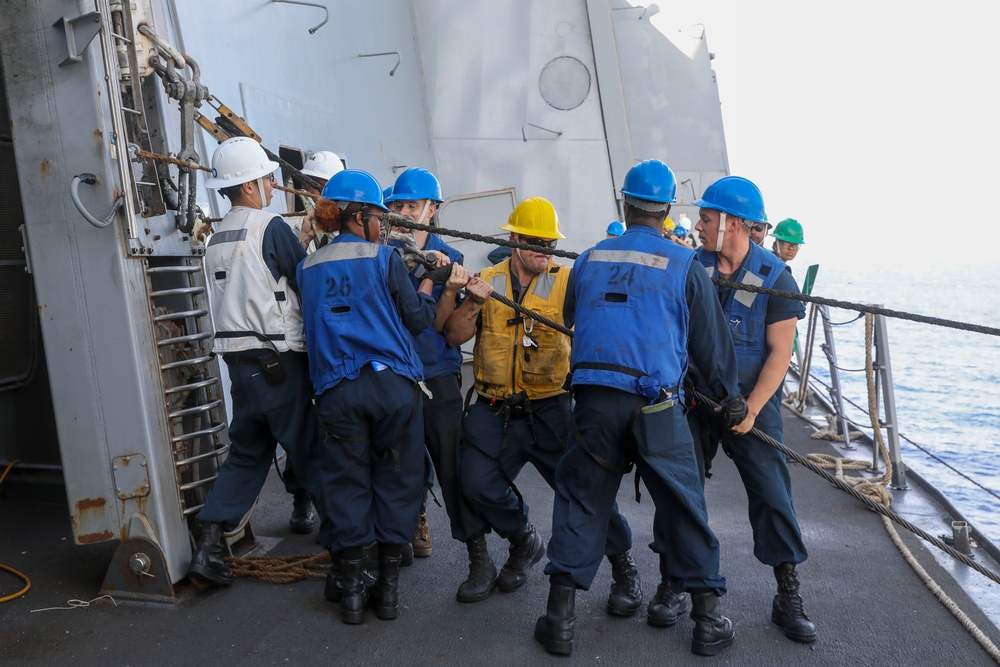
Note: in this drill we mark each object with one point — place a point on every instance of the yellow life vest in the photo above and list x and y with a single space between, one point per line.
500 365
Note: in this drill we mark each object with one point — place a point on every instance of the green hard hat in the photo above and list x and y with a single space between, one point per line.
789 230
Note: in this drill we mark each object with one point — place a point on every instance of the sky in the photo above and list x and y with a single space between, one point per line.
872 123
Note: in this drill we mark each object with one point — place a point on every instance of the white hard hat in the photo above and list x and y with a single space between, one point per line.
684 222
323 164
236 161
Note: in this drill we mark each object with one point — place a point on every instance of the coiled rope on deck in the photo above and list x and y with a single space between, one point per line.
875 488
282 569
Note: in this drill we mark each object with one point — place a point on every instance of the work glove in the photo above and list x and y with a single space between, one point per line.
440 275
734 411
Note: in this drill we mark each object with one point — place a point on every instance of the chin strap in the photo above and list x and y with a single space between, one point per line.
364 219
722 231
423 213
260 192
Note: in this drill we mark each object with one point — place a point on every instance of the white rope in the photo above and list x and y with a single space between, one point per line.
939 593
76 604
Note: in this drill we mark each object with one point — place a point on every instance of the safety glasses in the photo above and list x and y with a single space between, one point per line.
539 243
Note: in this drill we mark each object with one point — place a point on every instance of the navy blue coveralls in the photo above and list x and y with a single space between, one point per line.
776 534
266 414
539 438
360 313
636 298
443 413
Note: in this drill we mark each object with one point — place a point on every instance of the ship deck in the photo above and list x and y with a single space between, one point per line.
869 606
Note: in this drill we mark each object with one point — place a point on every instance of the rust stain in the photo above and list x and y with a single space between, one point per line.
92 538
77 518
46 168
90 504
99 134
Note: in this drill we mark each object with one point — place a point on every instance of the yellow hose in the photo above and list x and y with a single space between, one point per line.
27 582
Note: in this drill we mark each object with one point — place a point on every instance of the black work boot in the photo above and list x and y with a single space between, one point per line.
354 597
371 557
712 631
385 595
334 589
554 631
207 564
666 606
303 516
787 610
482 572
626 589
526 549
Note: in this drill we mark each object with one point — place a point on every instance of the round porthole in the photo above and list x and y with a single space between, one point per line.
564 83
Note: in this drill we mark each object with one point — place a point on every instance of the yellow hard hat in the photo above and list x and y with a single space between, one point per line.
668 225
535 217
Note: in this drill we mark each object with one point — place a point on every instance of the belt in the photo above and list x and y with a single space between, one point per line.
505 408
250 357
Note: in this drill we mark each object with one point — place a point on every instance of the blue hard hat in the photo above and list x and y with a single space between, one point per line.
735 195
415 184
616 228
680 232
354 185
651 180
387 195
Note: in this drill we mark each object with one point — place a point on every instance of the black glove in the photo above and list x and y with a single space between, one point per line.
734 411
440 275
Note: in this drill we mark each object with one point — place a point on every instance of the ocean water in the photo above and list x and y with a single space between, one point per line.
947 381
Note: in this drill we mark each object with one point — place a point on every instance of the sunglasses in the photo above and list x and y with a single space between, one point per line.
758 228
539 243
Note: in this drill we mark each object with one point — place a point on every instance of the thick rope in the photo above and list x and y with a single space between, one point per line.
172 160
830 431
861 308
282 569
846 305
875 488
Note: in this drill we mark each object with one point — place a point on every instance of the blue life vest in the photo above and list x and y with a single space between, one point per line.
632 313
350 318
746 312
439 358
